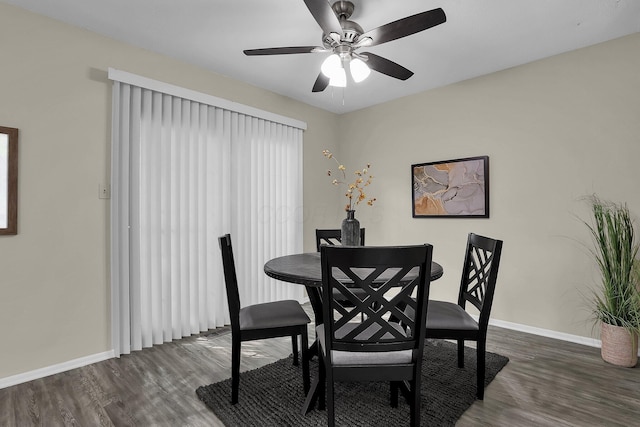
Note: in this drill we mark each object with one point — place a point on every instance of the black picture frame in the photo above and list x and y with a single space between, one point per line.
8 181
457 188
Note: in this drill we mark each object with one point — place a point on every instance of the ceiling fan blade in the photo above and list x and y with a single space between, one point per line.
280 50
321 83
405 26
324 16
385 66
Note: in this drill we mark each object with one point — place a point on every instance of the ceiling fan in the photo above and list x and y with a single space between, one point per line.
342 38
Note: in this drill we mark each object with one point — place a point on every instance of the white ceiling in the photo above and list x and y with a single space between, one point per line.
479 37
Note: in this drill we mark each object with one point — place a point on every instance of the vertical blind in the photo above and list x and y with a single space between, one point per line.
184 173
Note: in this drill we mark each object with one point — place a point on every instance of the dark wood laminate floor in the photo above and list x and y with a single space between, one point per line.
546 383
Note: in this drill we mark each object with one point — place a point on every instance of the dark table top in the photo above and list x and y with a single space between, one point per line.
304 269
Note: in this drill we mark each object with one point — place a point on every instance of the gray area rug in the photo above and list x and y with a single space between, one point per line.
273 395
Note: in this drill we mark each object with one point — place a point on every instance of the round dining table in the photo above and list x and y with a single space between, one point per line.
305 269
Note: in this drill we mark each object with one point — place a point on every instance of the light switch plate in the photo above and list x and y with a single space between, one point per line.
104 191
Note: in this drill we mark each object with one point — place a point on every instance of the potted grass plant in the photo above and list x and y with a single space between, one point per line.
616 302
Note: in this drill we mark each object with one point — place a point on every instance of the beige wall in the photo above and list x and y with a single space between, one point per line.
555 130
54 284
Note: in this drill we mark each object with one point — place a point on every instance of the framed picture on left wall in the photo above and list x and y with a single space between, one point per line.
8 180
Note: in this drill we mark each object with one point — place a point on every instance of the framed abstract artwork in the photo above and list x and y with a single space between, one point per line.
456 188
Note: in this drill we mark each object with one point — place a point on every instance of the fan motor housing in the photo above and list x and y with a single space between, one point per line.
350 33
350 29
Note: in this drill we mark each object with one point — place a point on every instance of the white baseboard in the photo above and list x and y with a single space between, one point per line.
591 342
55 369
99 357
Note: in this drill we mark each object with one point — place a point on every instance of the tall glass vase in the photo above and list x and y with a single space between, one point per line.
350 231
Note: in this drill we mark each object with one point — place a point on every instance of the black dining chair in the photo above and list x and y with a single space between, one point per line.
358 342
446 320
260 321
332 236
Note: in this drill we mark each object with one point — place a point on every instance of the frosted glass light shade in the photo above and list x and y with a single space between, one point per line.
331 65
339 79
359 70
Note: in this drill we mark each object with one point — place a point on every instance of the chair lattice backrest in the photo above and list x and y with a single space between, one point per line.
390 279
332 237
479 274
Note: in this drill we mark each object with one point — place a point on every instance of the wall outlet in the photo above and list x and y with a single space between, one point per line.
104 191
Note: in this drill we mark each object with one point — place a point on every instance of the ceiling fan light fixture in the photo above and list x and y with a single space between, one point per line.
359 70
342 37
331 66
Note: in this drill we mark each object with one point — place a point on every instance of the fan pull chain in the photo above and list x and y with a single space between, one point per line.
333 91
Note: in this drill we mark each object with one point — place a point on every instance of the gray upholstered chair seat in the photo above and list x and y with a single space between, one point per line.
272 315
344 358
449 321
447 315
261 321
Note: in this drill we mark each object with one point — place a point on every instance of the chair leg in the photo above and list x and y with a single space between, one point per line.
460 353
305 360
322 383
394 394
235 368
294 349
481 350
331 416
415 401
